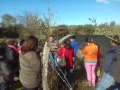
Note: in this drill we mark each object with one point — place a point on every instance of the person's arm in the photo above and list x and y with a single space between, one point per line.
84 50
36 63
5 68
10 54
107 63
60 52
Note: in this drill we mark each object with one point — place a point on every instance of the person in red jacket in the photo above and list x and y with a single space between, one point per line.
68 52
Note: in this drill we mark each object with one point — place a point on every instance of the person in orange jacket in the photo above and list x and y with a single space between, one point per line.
90 53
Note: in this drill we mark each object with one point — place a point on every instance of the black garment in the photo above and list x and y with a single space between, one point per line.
4 86
13 58
4 72
110 60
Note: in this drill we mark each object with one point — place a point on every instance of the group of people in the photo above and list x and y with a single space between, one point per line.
69 48
9 64
24 59
92 60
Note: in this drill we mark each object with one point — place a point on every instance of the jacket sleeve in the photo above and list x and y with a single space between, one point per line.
60 52
84 50
107 63
10 54
36 63
5 68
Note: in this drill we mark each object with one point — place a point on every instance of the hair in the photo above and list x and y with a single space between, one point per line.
30 44
89 40
21 42
73 37
51 36
11 42
115 40
67 44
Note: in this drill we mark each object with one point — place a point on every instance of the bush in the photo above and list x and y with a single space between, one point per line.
3 42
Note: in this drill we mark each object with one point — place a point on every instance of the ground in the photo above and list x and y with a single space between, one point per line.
78 80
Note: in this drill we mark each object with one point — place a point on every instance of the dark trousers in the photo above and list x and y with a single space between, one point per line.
24 88
116 86
67 73
4 86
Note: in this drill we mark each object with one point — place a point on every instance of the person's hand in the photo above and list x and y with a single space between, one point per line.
41 53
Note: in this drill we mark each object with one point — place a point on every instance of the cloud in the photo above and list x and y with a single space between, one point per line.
104 1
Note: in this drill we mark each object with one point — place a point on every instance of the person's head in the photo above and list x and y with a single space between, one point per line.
2 51
30 44
89 40
51 38
114 41
67 43
16 43
21 42
72 38
11 42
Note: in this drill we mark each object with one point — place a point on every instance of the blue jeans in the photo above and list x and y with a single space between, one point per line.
68 75
4 86
106 82
53 59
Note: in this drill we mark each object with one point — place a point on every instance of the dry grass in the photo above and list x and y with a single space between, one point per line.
78 79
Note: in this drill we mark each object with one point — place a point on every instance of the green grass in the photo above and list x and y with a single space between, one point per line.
17 86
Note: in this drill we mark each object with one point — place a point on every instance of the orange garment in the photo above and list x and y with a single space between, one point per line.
90 52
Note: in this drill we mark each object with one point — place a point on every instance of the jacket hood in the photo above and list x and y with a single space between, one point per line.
27 58
116 48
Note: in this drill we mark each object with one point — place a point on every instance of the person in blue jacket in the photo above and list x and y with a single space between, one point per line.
74 44
109 63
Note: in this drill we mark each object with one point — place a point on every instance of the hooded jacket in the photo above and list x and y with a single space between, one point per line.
110 60
30 70
4 71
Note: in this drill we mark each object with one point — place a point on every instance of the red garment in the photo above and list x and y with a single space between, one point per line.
69 54
19 48
98 59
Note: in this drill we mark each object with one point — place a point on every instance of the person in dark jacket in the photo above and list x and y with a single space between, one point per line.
4 71
12 56
109 65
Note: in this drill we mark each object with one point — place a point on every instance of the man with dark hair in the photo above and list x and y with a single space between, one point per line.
53 46
75 47
74 44
109 64
4 71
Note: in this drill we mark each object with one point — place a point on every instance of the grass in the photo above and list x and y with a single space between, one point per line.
78 80
17 85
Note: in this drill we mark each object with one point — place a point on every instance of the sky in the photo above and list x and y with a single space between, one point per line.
68 12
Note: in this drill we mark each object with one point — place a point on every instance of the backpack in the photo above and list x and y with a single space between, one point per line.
116 75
